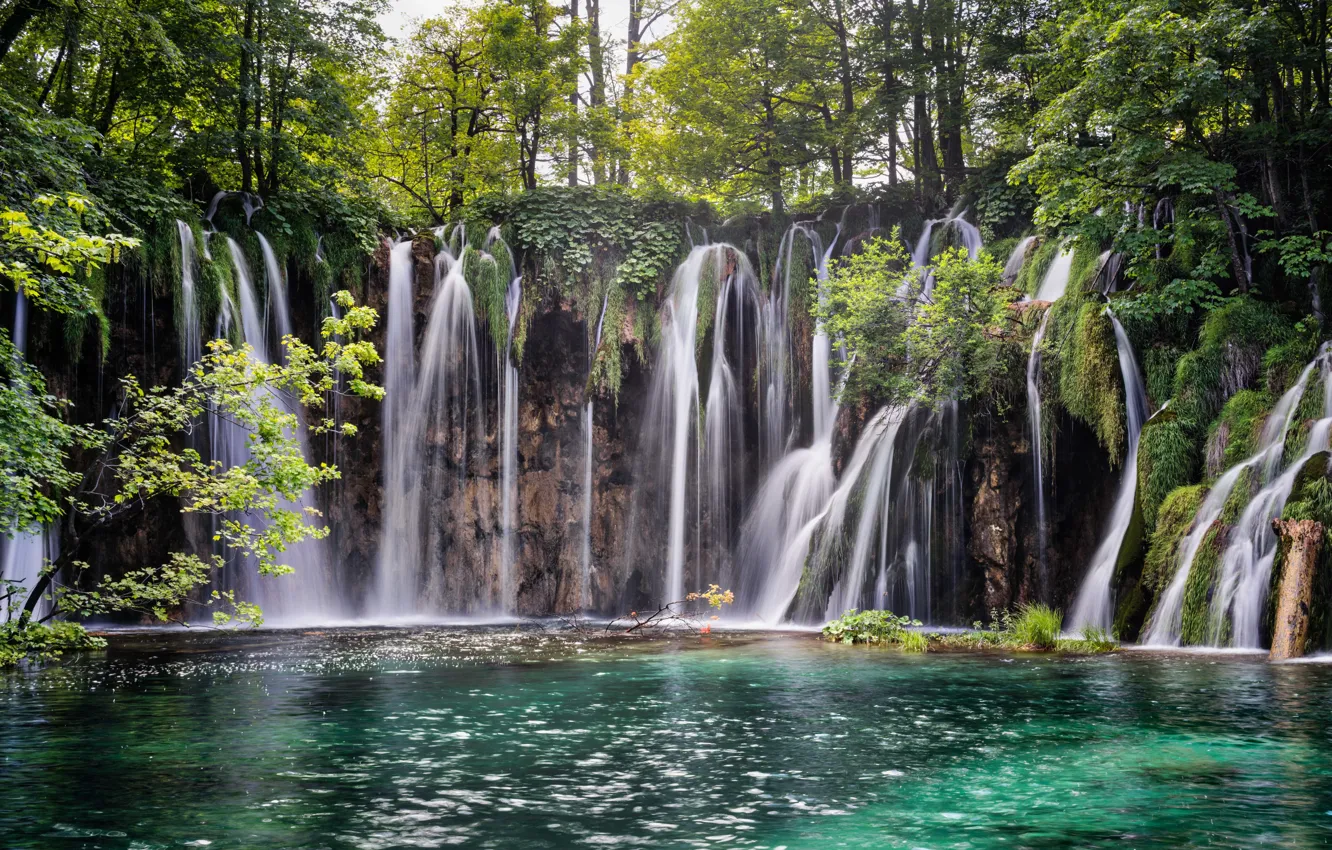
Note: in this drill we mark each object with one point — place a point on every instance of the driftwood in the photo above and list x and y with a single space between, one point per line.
1301 541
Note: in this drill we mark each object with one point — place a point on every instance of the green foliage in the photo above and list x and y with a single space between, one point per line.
1159 363
1231 344
137 457
1035 625
883 627
945 345
36 441
29 641
1092 641
1172 524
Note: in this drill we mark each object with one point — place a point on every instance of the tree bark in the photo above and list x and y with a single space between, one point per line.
573 109
19 17
1301 541
243 101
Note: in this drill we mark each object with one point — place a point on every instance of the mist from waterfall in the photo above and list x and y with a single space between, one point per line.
1094 606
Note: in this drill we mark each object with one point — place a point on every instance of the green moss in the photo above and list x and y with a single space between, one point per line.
1172 524
1235 434
1198 590
1130 611
1231 343
1090 386
1034 269
1158 368
489 286
1167 458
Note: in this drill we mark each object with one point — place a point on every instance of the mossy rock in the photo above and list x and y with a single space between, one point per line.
1173 521
1090 385
1196 620
1235 434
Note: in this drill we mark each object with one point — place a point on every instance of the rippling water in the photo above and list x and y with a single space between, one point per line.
487 738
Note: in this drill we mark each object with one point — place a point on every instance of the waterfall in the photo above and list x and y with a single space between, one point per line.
1246 564
191 347
1167 621
801 496
967 234
428 462
589 459
1056 277
509 452
1017 260
399 342
675 404
798 485
310 594
1093 608
25 551
1038 451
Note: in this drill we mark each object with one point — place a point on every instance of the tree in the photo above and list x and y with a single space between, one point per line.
84 478
916 337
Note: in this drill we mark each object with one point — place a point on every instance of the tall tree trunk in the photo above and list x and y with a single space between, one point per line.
632 58
846 72
596 56
243 100
927 162
20 15
573 110
260 177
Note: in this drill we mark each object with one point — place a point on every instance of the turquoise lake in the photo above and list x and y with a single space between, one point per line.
487 737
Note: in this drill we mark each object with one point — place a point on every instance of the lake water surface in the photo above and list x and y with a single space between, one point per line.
484 737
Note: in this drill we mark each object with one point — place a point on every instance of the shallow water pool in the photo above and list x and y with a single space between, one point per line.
379 738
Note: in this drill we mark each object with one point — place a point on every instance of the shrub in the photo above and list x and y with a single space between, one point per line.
1035 625
872 627
40 642
1234 435
1092 640
916 642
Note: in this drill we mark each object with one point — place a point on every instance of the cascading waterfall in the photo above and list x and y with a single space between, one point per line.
1056 277
191 346
797 487
675 403
1166 624
1036 427
801 522
310 594
1017 259
1093 608
1246 565
399 339
589 460
509 452
431 448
